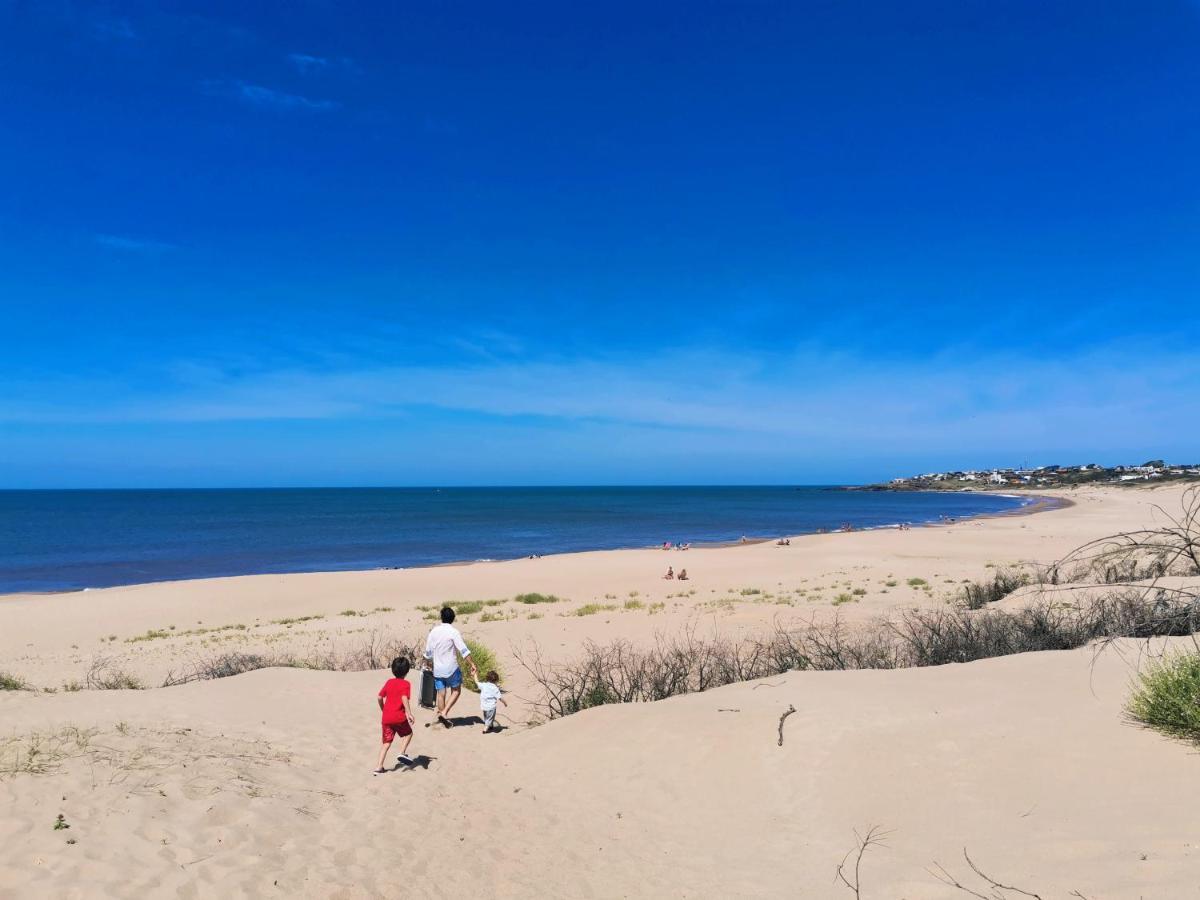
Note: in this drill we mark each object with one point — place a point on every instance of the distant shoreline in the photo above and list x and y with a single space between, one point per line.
1027 505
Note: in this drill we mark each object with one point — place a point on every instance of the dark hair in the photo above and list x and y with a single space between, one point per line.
400 667
447 615
493 676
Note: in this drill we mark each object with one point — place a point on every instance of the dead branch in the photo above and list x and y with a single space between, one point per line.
994 887
873 838
790 710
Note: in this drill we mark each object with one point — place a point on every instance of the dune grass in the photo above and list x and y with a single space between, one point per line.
485 659
537 598
590 609
979 594
467 607
1167 696
10 682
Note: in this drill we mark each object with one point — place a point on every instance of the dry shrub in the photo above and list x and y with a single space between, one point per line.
1131 557
105 675
621 673
981 593
374 651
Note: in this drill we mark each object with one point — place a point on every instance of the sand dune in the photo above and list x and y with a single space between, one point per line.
260 784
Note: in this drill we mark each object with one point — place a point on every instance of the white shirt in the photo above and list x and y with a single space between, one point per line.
443 640
488 695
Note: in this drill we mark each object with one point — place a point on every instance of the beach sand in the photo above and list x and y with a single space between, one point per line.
261 783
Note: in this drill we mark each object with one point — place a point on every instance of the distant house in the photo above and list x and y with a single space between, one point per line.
996 478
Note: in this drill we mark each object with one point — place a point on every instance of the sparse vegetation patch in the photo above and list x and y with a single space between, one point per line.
1167 696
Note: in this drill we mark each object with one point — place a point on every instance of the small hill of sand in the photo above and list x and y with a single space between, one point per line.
260 785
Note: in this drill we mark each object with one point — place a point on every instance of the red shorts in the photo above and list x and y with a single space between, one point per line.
393 729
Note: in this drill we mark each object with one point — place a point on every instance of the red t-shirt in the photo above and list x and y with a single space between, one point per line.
393 692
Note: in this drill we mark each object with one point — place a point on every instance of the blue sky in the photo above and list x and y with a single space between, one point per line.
546 243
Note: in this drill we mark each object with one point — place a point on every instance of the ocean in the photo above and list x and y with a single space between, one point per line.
70 540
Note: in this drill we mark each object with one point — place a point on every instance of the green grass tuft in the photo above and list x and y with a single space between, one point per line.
485 659
11 683
537 598
914 582
590 609
1167 696
152 634
467 607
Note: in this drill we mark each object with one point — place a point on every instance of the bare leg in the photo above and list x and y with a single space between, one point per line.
383 752
455 693
404 747
441 703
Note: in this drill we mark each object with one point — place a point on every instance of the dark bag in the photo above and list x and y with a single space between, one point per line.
428 690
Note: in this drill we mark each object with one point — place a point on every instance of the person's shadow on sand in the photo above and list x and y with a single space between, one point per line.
418 762
457 721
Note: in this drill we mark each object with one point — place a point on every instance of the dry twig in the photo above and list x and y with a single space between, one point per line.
788 712
873 838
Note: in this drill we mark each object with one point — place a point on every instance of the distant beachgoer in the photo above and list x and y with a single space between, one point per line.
394 699
683 575
743 539
489 693
670 573
666 545
443 647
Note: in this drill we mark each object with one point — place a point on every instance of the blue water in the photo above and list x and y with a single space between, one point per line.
63 540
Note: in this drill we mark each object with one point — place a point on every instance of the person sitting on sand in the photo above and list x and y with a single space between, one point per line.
489 693
397 714
670 573
683 575
442 649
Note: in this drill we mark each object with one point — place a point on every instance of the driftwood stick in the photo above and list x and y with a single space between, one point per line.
790 710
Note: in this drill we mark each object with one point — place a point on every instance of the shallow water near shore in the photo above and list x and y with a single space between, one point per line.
70 540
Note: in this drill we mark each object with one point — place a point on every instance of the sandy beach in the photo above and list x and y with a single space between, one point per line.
259 783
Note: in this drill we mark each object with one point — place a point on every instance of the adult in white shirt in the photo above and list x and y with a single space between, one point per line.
443 647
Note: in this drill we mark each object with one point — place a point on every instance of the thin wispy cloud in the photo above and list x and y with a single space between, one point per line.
132 244
309 64
257 95
991 406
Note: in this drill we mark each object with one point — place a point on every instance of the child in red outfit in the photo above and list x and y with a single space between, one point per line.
397 714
